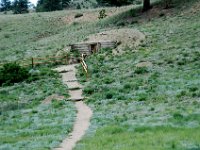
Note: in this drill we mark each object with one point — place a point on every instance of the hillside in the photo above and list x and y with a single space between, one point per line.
43 34
147 97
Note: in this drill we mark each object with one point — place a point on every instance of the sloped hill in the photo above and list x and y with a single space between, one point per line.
149 98
43 34
145 98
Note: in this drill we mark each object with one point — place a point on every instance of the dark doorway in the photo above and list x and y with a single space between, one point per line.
94 48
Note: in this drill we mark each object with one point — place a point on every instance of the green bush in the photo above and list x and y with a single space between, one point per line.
12 73
88 90
108 80
127 86
109 95
102 14
78 6
141 70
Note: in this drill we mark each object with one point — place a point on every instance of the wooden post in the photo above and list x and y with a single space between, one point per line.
87 75
66 59
32 62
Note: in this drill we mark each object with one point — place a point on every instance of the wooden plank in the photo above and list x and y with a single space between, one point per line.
79 48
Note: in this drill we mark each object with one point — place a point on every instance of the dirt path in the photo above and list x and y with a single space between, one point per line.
84 112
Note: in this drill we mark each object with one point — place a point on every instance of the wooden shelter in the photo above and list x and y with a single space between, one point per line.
89 48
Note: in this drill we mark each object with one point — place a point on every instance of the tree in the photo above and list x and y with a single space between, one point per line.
5 5
51 5
65 3
20 6
146 5
114 2
168 4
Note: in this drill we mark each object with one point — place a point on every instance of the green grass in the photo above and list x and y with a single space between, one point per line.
158 138
41 127
153 107
37 34
27 123
163 98
30 93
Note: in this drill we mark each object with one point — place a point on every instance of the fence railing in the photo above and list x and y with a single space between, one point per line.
84 65
42 60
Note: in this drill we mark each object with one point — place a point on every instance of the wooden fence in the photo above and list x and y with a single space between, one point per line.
84 65
42 60
32 62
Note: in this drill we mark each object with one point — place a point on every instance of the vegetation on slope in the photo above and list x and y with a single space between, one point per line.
42 34
27 123
24 120
143 99
149 99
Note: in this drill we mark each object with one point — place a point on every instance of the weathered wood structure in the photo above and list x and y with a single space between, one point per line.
89 48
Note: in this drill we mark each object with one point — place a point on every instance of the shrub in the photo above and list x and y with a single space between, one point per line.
127 86
193 88
161 14
177 116
12 73
7 36
141 70
142 97
78 6
78 15
88 90
132 13
102 14
109 95
75 23
108 80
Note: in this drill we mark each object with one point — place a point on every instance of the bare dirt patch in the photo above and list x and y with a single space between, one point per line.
92 15
52 97
144 64
126 38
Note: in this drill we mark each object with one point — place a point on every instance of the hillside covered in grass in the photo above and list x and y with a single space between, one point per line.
44 34
26 122
149 98
143 98
28 118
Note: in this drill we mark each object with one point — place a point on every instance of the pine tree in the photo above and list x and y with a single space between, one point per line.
146 5
51 5
5 5
114 2
20 6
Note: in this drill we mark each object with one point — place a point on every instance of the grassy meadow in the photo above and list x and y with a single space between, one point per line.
146 98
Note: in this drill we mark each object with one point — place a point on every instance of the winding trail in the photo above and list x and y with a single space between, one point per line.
84 113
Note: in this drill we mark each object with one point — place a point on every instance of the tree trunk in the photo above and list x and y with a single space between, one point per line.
146 5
